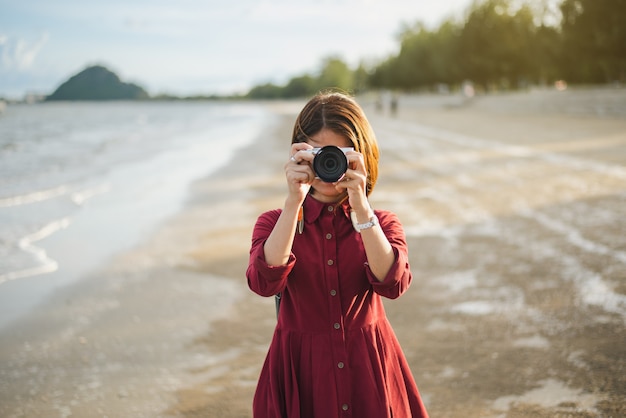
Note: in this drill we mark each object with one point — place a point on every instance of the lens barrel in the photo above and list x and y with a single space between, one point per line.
330 164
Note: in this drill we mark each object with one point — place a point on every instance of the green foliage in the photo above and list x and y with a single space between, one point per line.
360 79
266 91
97 83
334 74
594 40
425 58
501 44
497 46
299 87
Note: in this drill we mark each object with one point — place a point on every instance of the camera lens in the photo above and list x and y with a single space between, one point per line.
330 164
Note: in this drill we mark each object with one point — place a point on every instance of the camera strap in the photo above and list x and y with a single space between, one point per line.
277 300
301 219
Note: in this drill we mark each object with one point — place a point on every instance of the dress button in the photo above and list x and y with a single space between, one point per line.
330 208
336 325
333 292
330 262
340 364
329 236
344 406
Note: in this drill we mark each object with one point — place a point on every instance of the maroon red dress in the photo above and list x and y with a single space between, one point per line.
333 354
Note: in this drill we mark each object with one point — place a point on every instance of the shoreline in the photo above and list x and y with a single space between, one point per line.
115 184
494 318
127 333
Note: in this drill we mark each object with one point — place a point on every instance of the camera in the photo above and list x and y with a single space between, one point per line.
330 162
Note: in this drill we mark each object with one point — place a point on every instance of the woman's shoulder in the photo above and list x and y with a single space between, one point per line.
266 221
270 215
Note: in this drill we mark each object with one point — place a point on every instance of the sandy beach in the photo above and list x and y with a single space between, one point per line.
514 206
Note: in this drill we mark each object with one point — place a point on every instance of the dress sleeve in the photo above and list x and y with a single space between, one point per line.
399 276
264 279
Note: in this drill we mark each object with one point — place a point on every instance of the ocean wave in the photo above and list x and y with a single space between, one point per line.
78 197
33 197
45 264
82 196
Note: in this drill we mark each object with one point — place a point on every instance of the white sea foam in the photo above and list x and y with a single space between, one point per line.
575 237
475 307
551 394
78 197
535 341
115 169
33 197
592 288
458 281
518 151
82 196
454 156
43 264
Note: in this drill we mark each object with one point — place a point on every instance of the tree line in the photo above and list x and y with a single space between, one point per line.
500 44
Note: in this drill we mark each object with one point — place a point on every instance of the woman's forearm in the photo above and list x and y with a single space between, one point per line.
380 255
277 248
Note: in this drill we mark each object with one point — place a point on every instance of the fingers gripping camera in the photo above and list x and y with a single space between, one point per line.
330 162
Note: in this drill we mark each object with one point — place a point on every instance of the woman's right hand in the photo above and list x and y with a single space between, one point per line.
300 175
299 171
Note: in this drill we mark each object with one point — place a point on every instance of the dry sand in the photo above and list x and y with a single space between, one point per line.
515 211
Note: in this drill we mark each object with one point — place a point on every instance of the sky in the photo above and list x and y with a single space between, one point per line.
199 46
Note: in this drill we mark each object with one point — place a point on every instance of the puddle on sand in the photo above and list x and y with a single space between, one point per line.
458 281
474 307
551 394
535 341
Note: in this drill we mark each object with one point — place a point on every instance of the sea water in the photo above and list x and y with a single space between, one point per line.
80 182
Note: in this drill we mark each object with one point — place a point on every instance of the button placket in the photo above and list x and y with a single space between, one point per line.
329 241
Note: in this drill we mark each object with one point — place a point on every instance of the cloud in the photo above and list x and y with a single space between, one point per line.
20 54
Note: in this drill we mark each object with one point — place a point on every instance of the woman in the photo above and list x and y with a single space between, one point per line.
331 258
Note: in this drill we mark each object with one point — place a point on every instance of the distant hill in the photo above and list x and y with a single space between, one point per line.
97 83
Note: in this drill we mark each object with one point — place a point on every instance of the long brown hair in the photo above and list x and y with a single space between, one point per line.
341 114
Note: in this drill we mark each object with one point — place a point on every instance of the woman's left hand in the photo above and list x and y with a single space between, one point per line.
379 252
355 183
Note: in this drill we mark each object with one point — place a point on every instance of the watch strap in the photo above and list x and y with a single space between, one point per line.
369 224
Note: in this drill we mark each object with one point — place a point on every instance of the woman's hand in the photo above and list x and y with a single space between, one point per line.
299 176
355 183
380 255
298 171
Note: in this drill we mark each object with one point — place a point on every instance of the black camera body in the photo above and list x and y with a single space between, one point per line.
330 162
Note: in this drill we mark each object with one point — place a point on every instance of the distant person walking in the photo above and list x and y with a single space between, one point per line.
393 105
332 257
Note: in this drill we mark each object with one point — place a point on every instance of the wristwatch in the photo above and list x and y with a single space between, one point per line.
359 227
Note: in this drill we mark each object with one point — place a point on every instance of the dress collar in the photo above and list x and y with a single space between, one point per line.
313 208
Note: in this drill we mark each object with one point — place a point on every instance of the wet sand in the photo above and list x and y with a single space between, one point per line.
515 210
